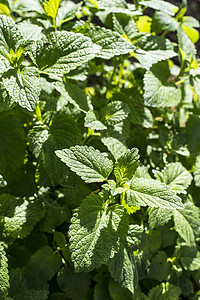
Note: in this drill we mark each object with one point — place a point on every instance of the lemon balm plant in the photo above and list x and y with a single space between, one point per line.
99 150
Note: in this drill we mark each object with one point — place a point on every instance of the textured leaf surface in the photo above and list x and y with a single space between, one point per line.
182 226
111 43
10 37
159 217
88 163
164 291
152 193
95 232
176 176
126 165
92 121
122 268
153 49
60 52
158 91
23 88
164 6
4 277
115 112
20 216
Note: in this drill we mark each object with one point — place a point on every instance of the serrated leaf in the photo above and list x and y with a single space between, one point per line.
159 217
152 193
164 6
111 43
122 268
165 291
20 219
176 176
151 57
37 136
23 88
197 171
124 25
10 37
153 49
60 52
92 121
115 112
126 165
4 277
74 95
193 135
41 268
182 226
88 163
51 8
163 21
95 232
158 92
68 281
118 6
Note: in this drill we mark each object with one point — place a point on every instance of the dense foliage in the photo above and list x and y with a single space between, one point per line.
99 150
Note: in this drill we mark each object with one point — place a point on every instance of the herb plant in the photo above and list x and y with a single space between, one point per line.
99 150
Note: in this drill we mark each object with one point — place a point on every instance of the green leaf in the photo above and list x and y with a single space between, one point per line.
10 37
115 112
159 268
193 135
23 88
176 176
37 136
68 281
12 150
92 121
111 43
158 92
51 8
197 171
75 95
122 268
20 216
165 291
22 6
190 258
164 6
159 217
126 165
4 277
41 268
59 52
163 21
88 163
153 49
117 292
152 193
95 232
183 227
185 43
